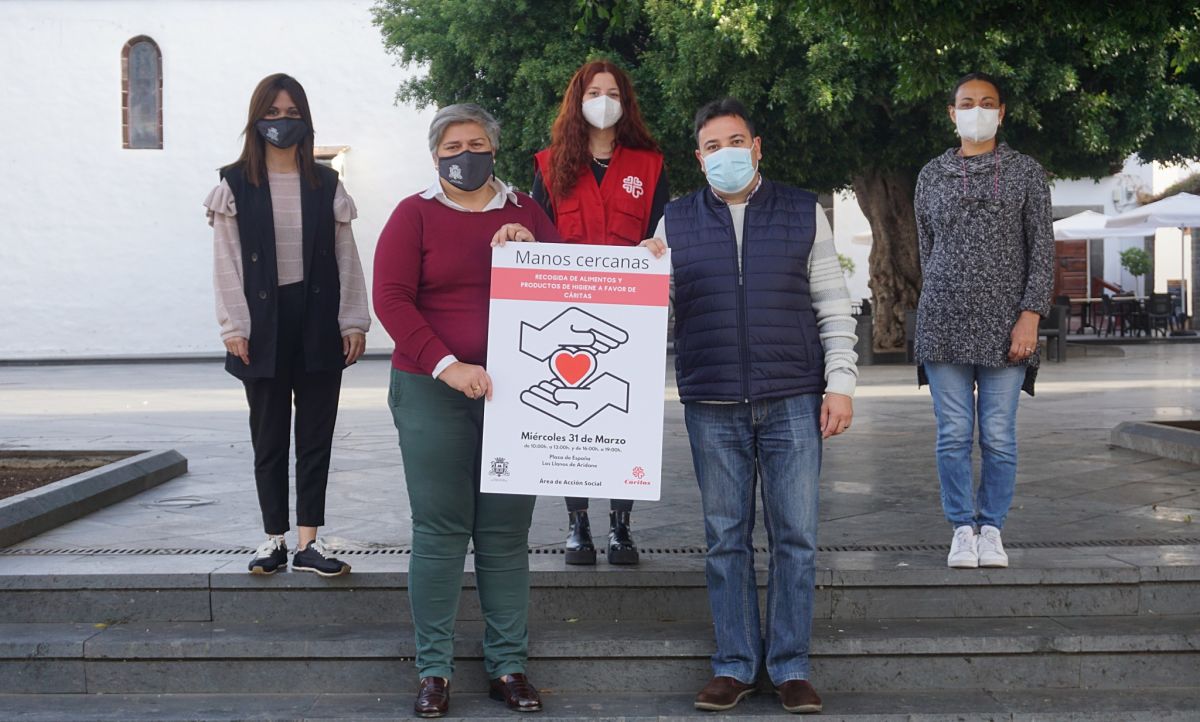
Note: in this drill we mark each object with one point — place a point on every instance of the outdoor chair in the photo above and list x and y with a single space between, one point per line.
1054 329
1105 319
1158 313
1066 301
1131 316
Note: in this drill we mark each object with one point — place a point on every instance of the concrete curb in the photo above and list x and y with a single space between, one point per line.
29 514
1166 441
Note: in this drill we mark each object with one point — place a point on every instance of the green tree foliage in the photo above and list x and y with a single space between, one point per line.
1137 262
514 58
847 264
845 93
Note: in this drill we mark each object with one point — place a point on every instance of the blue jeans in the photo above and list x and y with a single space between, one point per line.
957 406
732 446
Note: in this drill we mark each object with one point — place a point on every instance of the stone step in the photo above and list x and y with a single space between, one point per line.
593 657
850 585
1040 705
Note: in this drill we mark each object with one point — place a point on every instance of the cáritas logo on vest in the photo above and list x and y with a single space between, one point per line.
633 186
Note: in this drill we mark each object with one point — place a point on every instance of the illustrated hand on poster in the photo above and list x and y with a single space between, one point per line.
570 343
573 328
574 406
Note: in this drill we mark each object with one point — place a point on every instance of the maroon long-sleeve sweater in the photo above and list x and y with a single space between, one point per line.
432 278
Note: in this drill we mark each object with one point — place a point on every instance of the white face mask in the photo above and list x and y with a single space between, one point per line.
977 124
602 112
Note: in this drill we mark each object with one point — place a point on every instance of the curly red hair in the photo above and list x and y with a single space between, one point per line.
569 152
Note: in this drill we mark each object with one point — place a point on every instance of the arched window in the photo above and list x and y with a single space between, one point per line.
141 94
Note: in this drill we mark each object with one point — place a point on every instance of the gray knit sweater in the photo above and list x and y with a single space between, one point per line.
982 264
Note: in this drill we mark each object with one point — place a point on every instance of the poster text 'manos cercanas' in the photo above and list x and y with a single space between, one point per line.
608 263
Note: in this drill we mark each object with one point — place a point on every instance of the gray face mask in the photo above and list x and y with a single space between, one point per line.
281 132
468 170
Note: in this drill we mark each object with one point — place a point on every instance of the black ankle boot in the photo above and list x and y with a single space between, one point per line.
580 549
621 549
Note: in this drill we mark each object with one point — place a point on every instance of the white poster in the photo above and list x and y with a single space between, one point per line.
577 353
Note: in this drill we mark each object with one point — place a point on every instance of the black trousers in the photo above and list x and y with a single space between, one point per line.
316 400
575 503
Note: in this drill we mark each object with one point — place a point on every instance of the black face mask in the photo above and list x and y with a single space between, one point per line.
467 170
281 132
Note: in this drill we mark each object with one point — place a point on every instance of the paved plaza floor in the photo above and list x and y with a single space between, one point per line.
878 487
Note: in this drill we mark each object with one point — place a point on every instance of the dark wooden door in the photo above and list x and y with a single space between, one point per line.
1070 269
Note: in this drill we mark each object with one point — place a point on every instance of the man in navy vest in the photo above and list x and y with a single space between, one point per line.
765 362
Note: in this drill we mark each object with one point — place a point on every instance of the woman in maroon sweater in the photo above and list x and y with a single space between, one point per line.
431 290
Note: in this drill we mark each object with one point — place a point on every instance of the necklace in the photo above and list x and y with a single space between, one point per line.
601 163
992 205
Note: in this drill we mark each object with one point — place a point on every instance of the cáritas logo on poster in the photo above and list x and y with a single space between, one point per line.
639 477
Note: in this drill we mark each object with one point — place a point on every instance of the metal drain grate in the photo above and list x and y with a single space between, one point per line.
676 551
1016 545
208 552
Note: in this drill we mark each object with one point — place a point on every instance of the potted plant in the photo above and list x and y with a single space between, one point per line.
1137 262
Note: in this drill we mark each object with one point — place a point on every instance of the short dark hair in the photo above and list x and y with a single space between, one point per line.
977 76
719 109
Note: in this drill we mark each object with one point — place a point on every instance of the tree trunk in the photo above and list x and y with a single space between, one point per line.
886 199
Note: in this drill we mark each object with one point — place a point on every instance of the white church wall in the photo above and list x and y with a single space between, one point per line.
107 252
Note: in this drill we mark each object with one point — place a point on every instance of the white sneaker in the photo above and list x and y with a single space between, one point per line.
991 549
963 552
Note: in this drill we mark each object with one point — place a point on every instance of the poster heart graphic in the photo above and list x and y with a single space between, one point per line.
573 367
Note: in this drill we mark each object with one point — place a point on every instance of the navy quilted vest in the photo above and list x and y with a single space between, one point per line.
748 336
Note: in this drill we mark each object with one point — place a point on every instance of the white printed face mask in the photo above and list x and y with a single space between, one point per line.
602 112
977 124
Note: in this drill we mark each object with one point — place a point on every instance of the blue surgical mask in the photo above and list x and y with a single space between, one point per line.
730 170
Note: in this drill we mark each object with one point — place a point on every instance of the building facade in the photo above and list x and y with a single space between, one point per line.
119 113
107 252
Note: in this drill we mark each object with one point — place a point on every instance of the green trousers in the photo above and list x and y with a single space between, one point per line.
441 432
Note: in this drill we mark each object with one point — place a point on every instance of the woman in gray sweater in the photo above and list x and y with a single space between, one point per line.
987 255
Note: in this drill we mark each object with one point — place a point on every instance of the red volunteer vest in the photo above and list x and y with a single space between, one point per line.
613 213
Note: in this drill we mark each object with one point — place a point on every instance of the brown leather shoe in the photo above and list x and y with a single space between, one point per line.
799 697
518 693
722 693
433 697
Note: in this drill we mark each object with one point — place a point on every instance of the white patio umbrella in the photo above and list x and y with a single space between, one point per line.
1181 211
1088 225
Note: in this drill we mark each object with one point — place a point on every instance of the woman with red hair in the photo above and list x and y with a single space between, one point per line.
601 181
